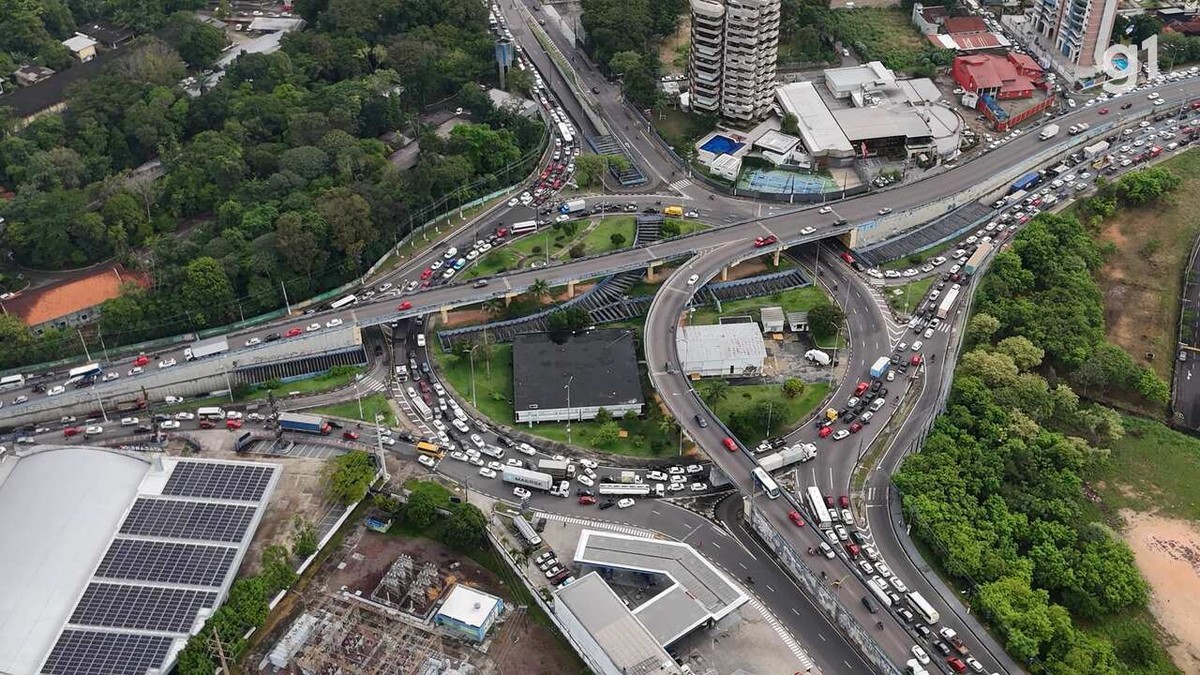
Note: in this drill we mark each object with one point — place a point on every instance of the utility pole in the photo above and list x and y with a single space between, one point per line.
285 299
84 343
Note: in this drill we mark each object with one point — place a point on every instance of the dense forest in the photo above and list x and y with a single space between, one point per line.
275 178
998 491
624 37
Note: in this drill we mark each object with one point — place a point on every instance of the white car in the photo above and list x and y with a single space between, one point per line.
495 465
898 585
695 468
185 415
588 463
916 346
693 279
427 460
253 341
825 209
513 461
476 439
675 487
111 375
513 202
168 424
55 391
928 333
487 473
458 455
676 470
20 399
332 323
460 425
625 503
841 433
129 421
167 363
808 230
93 430
476 460
920 655
656 476
135 371
312 328
439 425
526 448
521 493
584 479
699 487
883 568
233 415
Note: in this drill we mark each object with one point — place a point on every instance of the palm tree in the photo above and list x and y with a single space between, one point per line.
539 289
494 307
717 393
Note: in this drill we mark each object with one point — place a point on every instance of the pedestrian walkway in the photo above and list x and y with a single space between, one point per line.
806 662
367 383
409 412
682 184
600 525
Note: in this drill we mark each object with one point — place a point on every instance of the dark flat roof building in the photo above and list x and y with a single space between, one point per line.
592 370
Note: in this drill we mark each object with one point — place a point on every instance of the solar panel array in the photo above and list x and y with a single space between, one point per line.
168 563
174 519
218 481
158 608
86 652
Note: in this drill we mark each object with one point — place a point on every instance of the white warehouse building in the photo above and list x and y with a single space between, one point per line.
721 350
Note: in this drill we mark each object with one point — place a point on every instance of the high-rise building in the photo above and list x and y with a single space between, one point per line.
1074 33
732 60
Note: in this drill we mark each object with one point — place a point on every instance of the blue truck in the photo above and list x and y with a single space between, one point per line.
1026 182
880 367
309 424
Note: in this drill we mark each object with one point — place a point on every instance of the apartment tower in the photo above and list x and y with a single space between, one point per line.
732 61
1075 32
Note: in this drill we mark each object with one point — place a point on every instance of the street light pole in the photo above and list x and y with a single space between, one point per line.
84 343
568 388
471 356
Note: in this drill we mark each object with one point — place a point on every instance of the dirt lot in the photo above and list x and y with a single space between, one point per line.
672 53
1168 554
1141 280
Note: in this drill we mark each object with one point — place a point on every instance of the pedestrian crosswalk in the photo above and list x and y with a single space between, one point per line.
600 525
368 383
806 662
682 184
407 408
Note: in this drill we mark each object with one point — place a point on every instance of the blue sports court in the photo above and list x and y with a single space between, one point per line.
778 181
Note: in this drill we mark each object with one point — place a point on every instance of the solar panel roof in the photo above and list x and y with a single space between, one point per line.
174 519
156 608
80 652
167 562
240 482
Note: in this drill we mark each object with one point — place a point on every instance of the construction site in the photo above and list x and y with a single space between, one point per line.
374 606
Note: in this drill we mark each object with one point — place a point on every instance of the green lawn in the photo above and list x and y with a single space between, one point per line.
905 298
371 405
741 397
1152 468
599 239
312 385
685 225
793 300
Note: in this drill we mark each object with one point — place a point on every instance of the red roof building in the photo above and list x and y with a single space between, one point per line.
963 24
1003 77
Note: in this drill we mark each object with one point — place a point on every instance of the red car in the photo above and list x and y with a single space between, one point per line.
404 305
730 445
72 431
207 424
795 518
856 427
844 501
350 435
852 549
915 360
825 431
760 242
847 257
501 232
956 664
828 501
862 387
1103 111
293 332
427 273
141 360
233 424
587 500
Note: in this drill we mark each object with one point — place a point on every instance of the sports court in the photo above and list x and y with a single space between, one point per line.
780 181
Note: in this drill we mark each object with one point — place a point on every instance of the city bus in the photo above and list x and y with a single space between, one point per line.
817 503
89 372
211 413
12 382
922 607
764 481
524 227
430 450
344 302
422 409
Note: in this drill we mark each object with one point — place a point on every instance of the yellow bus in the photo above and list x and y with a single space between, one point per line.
430 449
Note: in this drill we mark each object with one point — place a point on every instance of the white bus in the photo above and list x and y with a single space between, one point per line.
422 409
564 130
88 372
878 592
344 302
923 608
524 227
764 481
817 503
12 382
211 413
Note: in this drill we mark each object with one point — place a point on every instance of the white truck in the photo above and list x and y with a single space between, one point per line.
947 303
526 478
624 489
1048 132
205 348
817 356
573 206
1095 149
800 452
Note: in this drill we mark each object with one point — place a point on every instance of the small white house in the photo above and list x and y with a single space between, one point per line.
772 319
721 350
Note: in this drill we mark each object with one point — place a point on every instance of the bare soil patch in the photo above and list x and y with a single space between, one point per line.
1167 552
671 51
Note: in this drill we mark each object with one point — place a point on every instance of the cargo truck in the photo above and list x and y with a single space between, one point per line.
879 367
554 467
206 348
1095 149
210 413
817 356
977 258
573 206
947 303
527 532
309 424
1026 182
527 478
624 488
800 452
1048 132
